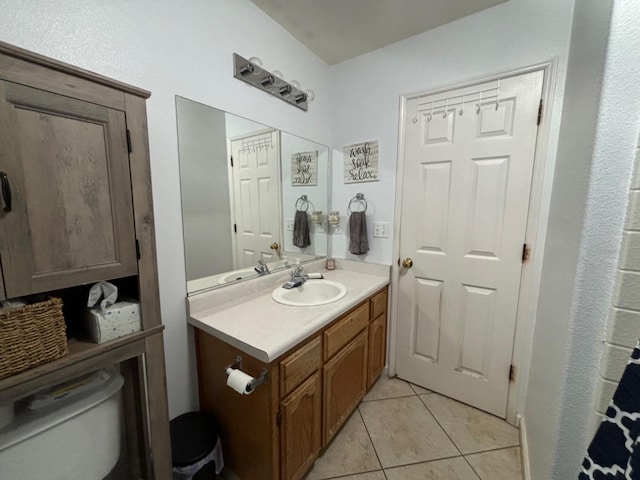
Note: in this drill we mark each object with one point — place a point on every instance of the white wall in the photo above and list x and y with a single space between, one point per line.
366 91
624 317
206 205
610 176
238 126
174 48
565 229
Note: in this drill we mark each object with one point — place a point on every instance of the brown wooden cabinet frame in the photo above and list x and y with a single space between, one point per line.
139 355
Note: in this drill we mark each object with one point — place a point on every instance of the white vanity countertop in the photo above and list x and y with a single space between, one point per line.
265 329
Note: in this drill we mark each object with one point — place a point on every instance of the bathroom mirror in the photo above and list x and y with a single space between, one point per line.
242 183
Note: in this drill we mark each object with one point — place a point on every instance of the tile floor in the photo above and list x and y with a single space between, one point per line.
403 432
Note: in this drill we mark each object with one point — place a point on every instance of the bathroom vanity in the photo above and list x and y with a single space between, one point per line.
318 363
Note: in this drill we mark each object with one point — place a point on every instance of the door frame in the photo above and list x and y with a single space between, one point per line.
537 219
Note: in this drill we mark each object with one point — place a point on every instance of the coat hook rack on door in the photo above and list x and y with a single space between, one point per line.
442 106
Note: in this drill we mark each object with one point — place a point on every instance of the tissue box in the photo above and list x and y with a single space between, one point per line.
121 318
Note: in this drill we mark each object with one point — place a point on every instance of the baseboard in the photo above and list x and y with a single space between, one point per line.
524 449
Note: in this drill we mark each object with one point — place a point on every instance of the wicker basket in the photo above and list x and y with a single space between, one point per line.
31 335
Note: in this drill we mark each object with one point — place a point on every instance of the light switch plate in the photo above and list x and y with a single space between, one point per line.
381 229
290 224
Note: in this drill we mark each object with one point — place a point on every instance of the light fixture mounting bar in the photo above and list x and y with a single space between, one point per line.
264 80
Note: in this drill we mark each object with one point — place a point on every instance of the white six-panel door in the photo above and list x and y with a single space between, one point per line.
256 197
468 162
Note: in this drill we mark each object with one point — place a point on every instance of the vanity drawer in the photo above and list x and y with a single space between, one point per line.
379 304
338 335
298 366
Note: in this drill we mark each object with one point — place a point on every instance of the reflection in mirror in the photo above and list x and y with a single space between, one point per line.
254 199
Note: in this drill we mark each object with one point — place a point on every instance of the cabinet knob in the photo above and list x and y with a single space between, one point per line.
407 262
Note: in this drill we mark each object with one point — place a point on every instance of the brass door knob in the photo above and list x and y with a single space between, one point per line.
275 246
407 262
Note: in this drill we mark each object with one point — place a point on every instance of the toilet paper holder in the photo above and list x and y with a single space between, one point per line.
238 365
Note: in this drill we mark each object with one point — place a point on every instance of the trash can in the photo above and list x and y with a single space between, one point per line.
196 452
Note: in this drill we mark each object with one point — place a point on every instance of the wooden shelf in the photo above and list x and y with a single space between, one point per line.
83 357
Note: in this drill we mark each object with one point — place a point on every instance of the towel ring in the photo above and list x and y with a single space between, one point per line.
303 202
358 198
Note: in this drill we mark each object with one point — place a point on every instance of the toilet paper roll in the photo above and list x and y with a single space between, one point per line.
239 381
6 415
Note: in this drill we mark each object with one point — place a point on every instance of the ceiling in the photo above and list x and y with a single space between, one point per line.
337 30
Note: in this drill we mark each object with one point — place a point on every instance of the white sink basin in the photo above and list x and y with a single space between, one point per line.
310 294
237 275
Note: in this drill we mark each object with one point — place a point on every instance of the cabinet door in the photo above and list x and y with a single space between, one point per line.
345 383
377 348
301 429
71 220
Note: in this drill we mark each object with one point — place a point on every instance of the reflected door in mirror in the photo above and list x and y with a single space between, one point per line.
256 195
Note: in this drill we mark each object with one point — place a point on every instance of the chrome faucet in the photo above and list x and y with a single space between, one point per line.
298 277
261 268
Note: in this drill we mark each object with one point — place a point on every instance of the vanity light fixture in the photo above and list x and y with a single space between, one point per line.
251 72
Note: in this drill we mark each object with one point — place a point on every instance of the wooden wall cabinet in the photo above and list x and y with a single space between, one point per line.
310 393
74 155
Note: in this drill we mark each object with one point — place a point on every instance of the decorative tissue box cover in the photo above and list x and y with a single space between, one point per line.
121 318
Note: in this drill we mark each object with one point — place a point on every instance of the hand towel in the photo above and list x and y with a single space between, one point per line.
358 242
301 229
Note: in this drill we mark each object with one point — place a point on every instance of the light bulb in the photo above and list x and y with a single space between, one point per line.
256 61
295 84
277 74
311 95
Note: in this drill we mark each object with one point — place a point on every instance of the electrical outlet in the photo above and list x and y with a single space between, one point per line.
381 229
289 224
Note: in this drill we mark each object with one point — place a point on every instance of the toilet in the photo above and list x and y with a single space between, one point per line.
74 438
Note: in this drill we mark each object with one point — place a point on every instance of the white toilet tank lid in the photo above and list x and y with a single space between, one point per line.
31 422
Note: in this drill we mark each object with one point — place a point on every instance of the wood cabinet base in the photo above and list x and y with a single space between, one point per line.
278 431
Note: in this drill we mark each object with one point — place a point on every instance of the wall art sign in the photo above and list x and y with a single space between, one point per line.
304 168
361 162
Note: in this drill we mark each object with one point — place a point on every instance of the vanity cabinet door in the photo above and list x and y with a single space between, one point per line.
300 430
71 218
377 348
345 383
